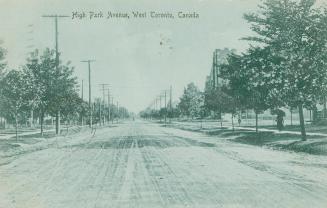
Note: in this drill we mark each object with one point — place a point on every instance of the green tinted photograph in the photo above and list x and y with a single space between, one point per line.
163 104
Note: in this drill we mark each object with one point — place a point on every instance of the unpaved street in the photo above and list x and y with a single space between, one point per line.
139 164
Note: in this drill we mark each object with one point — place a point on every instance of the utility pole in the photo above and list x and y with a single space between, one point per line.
99 113
216 67
90 99
108 106
156 103
160 102
103 101
213 71
29 47
117 112
82 101
57 62
82 90
160 107
165 107
112 104
171 102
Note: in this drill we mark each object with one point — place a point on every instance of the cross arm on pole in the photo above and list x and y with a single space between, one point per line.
54 15
88 61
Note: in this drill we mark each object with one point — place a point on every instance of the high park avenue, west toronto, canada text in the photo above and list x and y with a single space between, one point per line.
92 15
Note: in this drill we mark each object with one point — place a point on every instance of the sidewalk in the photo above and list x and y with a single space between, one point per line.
276 131
208 126
288 140
4 136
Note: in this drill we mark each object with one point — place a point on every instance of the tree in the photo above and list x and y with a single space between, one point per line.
62 87
238 88
263 83
191 101
218 100
33 91
2 73
250 81
13 88
73 108
3 64
296 33
54 85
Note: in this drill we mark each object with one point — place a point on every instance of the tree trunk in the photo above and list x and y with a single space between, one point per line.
221 120
325 107
41 121
100 118
314 115
32 118
256 121
82 120
165 116
291 117
16 126
58 122
302 123
233 122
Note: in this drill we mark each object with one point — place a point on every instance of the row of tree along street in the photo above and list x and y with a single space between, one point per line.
285 66
41 90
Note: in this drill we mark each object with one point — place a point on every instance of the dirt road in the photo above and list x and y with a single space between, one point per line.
139 164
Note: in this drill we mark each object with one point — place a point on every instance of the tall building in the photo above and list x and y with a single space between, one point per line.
219 57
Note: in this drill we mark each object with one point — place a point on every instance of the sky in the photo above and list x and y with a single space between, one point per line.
139 58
